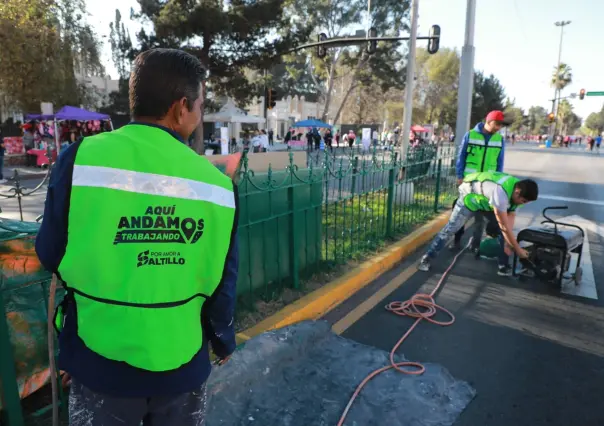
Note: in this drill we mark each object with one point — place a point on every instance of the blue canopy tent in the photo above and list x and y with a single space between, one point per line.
70 113
312 123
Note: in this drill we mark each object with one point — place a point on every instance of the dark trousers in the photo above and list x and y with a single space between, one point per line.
87 408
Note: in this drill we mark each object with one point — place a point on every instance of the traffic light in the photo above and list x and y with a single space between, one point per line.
271 101
581 94
434 43
372 45
321 50
551 117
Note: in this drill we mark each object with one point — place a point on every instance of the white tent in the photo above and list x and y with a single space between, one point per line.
229 113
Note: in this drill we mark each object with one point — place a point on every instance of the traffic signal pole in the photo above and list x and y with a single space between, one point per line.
466 76
409 83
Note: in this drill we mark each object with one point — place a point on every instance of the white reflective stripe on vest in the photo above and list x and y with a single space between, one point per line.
503 179
476 142
494 143
151 184
469 170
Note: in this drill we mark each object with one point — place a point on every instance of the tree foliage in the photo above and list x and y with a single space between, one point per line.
594 124
345 69
44 43
562 76
537 117
568 121
488 95
436 86
228 38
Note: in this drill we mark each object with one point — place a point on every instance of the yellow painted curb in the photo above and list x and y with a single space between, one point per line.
316 304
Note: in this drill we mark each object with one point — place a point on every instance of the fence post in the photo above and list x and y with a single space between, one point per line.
355 170
437 192
294 261
9 392
390 200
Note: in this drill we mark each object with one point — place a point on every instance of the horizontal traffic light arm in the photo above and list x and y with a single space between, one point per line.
350 41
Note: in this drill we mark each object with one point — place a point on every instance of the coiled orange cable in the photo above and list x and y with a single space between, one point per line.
422 307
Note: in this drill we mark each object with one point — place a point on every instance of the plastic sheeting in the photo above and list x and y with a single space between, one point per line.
24 290
304 375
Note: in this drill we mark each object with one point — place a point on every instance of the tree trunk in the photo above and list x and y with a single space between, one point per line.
332 70
348 92
198 144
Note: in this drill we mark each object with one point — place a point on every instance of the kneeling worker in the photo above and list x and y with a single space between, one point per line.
485 192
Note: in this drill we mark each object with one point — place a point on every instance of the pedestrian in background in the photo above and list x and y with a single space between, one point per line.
351 138
143 302
481 150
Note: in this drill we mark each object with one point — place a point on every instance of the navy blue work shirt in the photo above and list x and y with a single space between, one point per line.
117 378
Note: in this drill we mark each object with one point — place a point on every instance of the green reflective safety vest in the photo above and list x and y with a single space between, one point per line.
150 225
478 201
482 157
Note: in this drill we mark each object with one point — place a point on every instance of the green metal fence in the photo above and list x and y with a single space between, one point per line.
292 224
346 203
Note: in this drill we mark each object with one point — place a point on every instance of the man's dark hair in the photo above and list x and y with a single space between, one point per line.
529 190
161 77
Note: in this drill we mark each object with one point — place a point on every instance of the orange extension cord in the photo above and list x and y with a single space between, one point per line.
422 307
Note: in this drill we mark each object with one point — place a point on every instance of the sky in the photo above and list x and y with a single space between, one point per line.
516 40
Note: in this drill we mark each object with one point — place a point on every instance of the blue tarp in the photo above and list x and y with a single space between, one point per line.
311 123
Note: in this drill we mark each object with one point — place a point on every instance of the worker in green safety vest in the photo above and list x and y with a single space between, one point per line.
484 192
142 231
482 150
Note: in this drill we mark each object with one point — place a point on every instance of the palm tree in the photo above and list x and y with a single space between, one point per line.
562 76
565 115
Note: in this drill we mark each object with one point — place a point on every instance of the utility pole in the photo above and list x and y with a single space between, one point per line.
556 104
410 83
466 76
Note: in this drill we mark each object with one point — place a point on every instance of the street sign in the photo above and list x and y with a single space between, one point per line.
573 95
594 94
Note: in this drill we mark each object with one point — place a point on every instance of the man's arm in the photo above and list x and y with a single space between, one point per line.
219 312
501 156
51 240
462 156
506 224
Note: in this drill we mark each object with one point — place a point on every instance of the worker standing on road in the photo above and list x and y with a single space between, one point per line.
142 231
481 150
495 192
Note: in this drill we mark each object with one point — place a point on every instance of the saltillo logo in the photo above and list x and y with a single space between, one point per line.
152 258
159 225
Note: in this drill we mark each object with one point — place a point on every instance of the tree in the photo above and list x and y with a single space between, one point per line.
594 123
514 116
44 43
437 84
562 76
226 37
293 77
345 69
537 117
488 95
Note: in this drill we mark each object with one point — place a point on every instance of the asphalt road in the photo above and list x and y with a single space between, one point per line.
534 355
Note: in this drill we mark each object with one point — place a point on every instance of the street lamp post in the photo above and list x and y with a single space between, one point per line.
556 103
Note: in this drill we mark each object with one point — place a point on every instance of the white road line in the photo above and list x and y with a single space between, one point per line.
571 200
587 287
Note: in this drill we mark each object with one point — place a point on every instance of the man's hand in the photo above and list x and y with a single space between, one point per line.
522 253
508 250
221 361
459 181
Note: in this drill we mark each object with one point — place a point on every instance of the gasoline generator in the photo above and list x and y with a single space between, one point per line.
551 246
